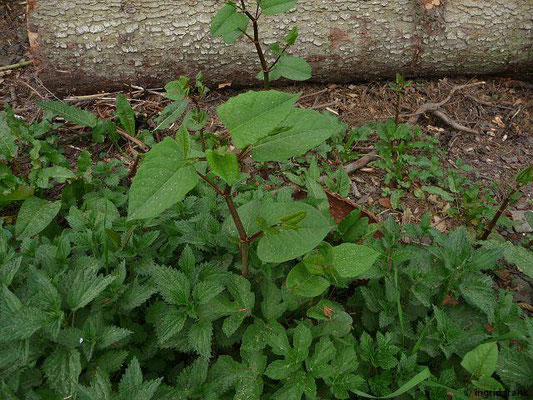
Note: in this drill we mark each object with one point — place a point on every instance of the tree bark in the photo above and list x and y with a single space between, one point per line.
89 45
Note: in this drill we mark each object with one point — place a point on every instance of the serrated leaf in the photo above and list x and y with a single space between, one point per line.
169 322
476 289
170 114
82 284
200 336
351 260
225 166
273 7
70 113
125 114
163 179
35 215
307 129
62 369
112 335
481 362
172 284
204 292
293 68
253 115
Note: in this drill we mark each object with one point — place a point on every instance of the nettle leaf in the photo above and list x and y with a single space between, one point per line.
253 115
229 24
351 260
8 148
280 244
244 301
172 284
70 113
303 283
306 129
301 341
131 386
293 68
112 335
62 369
125 114
481 362
163 179
168 320
100 389
35 215
272 305
476 289
225 166
170 114
273 7
82 284
200 336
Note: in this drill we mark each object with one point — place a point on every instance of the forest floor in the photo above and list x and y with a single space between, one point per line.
497 112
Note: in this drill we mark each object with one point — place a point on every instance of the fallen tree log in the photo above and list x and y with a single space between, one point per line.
89 45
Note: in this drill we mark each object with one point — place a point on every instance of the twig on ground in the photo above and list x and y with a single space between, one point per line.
435 106
16 66
144 147
455 125
488 103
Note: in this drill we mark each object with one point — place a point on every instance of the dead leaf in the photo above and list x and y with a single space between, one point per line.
498 121
384 202
224 84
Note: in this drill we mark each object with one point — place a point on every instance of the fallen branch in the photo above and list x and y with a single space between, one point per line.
143 146
16 66
429 107
455 125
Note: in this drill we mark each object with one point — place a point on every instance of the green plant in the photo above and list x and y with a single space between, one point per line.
32 159
232 21
400 86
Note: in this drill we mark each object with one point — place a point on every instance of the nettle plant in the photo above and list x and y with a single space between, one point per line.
268 127
233 21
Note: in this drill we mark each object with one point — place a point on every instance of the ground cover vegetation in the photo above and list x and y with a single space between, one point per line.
188 276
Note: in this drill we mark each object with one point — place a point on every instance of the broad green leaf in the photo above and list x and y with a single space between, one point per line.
303 283
476 288
125 114
229 23
517 255
293 68
439 192
8 148
62 369
280 244
351 260
57 172
273 7
225 166
163 179
253 115
291 37
306 129
281 369
411 383
21 193
70 113
301 341
170 114
35 215
481 362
